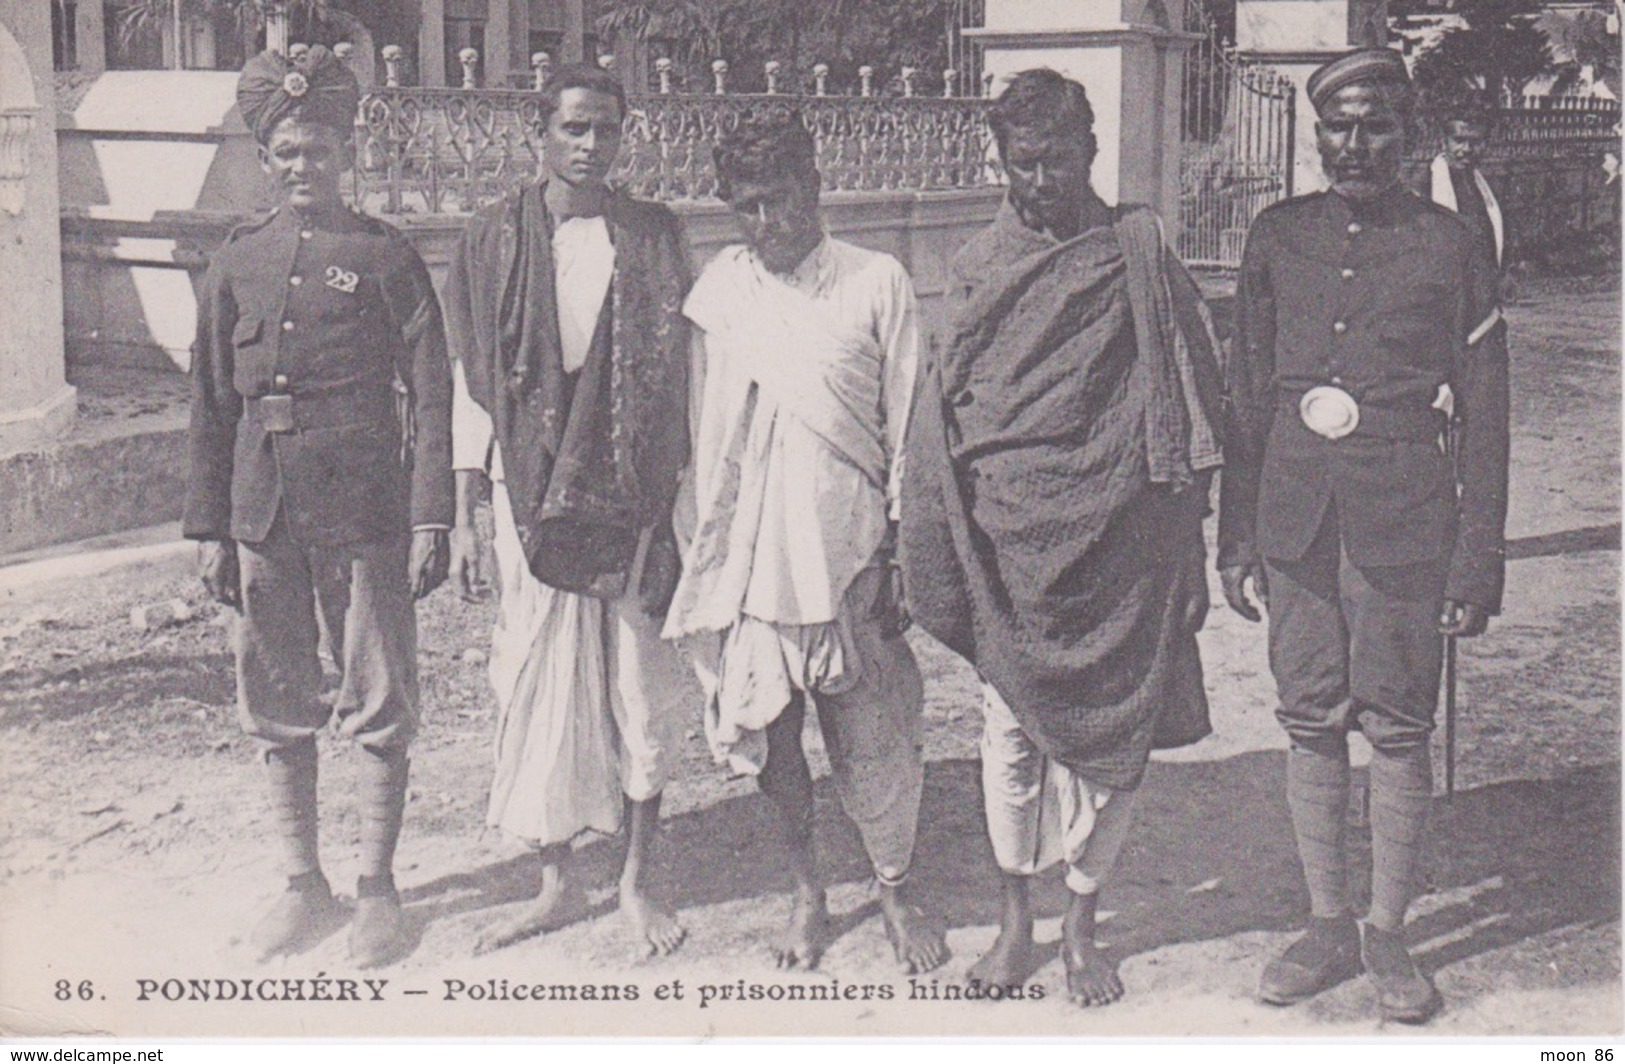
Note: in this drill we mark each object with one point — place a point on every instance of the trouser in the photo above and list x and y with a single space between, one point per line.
1357 647
364 597
870 700
1039 811
360 593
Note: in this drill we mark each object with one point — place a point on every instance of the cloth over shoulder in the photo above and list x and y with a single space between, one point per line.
1057 469
590 458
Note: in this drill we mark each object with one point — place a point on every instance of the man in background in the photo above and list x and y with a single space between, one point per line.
1456 181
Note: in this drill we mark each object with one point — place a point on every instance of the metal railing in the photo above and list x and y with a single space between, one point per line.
448 151
1544 127
1236 146
1546 161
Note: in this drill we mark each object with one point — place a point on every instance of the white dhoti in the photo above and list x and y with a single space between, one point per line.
1039 811
870 702
590 700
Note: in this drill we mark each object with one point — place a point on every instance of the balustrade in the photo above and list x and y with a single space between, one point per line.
434 151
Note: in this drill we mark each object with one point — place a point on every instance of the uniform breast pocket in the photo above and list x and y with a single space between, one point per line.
1420 303
251 358
344 298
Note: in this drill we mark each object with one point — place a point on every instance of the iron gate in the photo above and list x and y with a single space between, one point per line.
1236 133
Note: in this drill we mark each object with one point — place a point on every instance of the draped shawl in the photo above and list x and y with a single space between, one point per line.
1057 464
591 459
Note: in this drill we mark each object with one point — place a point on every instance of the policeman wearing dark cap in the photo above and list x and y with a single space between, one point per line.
1365 316
321 485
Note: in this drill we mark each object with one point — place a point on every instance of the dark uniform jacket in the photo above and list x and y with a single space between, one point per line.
1387 301
338 314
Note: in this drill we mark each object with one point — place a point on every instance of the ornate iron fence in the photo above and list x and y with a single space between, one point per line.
1236 147
447 151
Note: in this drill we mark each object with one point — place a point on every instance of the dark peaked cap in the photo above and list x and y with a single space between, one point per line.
318 88
1366 64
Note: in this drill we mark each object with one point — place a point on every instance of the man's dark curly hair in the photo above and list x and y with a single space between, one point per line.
579 76
1044 103
765 146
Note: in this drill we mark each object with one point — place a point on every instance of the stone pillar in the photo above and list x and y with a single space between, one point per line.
91 38
575 33
497 56
1296 37
519 37
276 29
1130 60
36 402
432 45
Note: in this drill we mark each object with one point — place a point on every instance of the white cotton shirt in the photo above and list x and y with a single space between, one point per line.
774 521
583 267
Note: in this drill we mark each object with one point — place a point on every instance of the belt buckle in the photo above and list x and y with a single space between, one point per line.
276 413
1328 411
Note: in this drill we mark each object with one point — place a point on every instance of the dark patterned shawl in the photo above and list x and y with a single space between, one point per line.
593 461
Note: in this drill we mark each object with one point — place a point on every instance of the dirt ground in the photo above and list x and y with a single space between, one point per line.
135 843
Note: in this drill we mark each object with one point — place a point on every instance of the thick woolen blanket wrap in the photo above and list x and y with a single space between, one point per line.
1057 466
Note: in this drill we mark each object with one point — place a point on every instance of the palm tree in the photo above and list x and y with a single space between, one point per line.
140 20
1583 47
696 24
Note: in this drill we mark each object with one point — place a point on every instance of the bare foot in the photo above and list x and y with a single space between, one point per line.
1091 976
804 938
916 939
651 923
1007 962
559 902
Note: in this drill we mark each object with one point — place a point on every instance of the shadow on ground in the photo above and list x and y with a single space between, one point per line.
68 690
1568 542
1212 856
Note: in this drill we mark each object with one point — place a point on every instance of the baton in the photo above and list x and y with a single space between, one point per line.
1449 717
1450 444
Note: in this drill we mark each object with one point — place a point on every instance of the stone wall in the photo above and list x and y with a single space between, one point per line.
132 473
105 318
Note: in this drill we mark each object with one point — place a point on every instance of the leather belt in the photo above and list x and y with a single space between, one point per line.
322 410
1418 424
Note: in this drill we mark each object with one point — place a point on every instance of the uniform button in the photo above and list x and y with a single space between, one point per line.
1348 275
1354 228
296 280
281 380
1340 327
287 326
306 234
